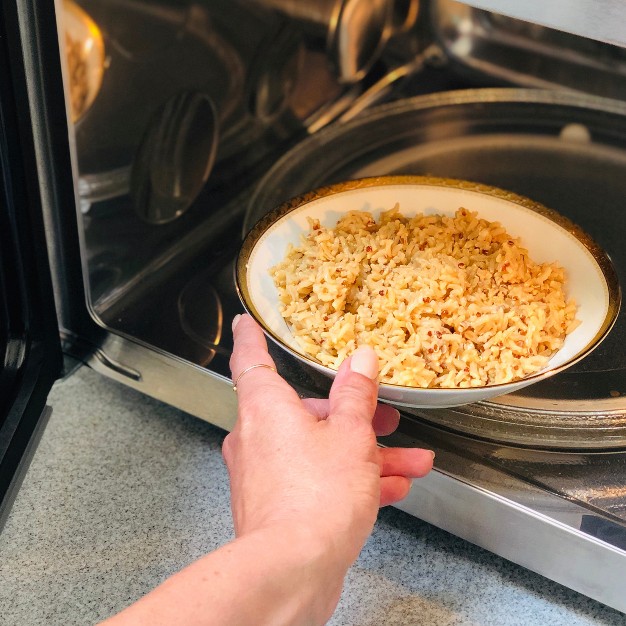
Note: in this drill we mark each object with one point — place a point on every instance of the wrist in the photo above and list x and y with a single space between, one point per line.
284 575
306 567
310 542
303 545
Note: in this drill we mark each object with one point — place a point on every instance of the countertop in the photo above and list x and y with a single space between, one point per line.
124 490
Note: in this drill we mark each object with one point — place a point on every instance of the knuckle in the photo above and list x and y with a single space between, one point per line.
227 448
358 398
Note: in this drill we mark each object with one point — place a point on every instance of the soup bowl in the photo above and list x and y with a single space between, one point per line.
591 280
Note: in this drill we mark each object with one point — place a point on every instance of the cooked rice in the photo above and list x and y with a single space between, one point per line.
444 301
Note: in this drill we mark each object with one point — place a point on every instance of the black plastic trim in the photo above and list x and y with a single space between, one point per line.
29 336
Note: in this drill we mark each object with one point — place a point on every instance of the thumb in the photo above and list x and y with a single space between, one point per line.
354 390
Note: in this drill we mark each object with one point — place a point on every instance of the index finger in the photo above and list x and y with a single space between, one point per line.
253 370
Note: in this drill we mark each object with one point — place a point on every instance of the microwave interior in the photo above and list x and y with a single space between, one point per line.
181 115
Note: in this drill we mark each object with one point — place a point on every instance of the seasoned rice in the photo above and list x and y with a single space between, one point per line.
444 301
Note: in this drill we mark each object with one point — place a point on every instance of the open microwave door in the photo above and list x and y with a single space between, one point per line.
29 337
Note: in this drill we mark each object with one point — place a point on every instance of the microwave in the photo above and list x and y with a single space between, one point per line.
142 140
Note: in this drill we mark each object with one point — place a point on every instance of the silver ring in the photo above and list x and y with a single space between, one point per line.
251 367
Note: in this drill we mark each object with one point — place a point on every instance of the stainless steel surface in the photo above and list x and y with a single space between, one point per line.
404 15
530 538
83 49
490 46
147 45
189 387
355 32
93 188
595 19
560 514
259 108
384 86
175 157
522 141
158 51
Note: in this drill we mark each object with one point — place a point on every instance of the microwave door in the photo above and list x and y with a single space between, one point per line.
29 337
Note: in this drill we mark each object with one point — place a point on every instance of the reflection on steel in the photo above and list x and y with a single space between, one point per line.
355 31
201 314
528 54
147 44
404 15
85 58
566 554
193 389
174 159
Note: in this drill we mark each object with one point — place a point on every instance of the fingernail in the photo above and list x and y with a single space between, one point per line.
433 453
236 320
365 361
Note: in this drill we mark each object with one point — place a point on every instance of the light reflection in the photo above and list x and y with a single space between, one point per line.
85 58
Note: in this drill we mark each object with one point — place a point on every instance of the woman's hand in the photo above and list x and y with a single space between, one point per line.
307 479
313 463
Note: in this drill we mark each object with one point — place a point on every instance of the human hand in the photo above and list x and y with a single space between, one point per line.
306 481
313 463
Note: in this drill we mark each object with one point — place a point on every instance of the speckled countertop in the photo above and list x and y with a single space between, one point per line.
124 490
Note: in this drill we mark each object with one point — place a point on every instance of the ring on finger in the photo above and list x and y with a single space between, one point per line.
247 369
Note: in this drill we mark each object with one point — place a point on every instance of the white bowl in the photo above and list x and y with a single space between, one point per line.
548 236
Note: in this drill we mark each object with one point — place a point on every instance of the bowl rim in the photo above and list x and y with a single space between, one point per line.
600 256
